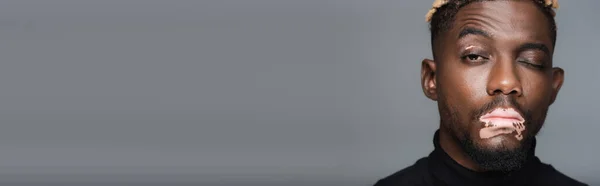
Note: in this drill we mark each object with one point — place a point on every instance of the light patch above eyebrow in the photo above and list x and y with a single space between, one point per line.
470 47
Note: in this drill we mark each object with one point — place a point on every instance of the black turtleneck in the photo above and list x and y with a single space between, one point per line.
440 169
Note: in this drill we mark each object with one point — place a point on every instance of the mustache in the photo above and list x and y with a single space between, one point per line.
501 101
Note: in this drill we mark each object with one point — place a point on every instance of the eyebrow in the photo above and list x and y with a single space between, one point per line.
535 46
472 31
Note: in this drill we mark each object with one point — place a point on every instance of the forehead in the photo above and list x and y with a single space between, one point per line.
504 20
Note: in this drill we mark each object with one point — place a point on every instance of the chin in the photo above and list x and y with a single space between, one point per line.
506 142
502 153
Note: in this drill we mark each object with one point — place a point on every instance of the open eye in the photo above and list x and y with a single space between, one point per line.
474 58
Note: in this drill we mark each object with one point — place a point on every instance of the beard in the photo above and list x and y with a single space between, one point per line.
500 158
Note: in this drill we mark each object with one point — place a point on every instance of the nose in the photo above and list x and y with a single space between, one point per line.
504 79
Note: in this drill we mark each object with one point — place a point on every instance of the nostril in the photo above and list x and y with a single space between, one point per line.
499 91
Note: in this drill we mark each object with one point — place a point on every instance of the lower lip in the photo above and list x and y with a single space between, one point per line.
490 132
499 126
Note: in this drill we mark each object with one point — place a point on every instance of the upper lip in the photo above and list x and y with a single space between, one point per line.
500 117
497 113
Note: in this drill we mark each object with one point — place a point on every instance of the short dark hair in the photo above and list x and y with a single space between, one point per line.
443 18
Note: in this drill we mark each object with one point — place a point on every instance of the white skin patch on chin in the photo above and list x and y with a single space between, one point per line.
519 127
490 130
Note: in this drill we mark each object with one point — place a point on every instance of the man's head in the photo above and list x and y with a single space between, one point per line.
492 76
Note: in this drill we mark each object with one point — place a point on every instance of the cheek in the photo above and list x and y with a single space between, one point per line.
537 92
464 84
462 89
537 89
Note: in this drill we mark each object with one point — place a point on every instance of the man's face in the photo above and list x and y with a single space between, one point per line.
493 77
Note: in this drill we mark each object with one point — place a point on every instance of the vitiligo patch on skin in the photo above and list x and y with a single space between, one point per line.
502 121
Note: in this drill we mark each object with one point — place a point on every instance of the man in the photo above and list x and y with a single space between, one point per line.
493 78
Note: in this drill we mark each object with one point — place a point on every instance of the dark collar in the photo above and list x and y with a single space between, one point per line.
449 172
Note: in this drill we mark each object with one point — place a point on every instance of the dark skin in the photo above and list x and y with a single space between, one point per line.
494 50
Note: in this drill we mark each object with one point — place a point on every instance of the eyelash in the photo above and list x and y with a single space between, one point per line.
526 62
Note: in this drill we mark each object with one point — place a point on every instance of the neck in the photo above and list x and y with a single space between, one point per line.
450 145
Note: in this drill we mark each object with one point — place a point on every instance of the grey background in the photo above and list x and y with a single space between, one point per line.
241 92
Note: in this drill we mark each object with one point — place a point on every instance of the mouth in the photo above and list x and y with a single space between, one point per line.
503 114
502 121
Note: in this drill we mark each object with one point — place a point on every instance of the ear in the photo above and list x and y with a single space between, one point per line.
428 81
558 77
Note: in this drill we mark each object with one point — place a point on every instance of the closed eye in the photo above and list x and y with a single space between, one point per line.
527 63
